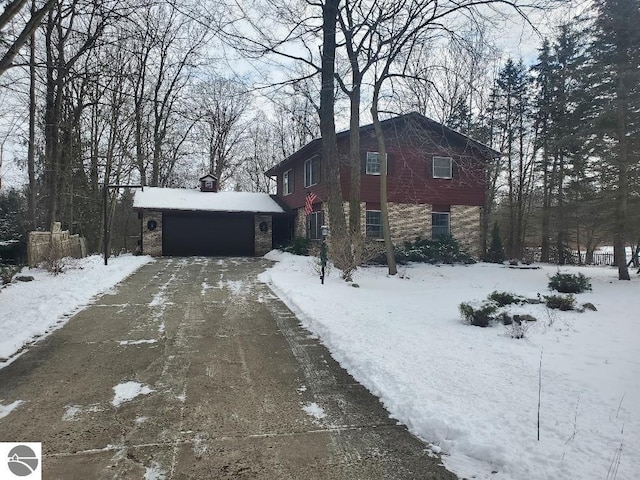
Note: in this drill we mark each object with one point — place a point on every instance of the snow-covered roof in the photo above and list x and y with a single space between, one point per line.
155 198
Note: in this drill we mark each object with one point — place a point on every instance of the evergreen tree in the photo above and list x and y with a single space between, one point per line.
510 113
614 79
544 72
495 254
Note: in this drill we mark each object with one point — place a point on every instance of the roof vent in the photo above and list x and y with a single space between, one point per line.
208 183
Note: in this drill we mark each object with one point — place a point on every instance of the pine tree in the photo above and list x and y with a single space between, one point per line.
510 112
614 79
495 254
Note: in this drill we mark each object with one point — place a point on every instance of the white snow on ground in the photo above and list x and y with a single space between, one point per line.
137 342
154 472
314 410
29 310
472 392
128 391
7 409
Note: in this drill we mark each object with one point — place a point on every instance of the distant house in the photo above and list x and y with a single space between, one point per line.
435 182
184 222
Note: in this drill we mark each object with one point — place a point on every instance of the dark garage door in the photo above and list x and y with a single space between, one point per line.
227 234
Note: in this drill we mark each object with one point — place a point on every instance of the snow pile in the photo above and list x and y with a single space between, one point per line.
473 392
314 410
128 391
32 309
7 409
154 472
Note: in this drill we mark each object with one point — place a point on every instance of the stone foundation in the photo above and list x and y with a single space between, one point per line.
466 227
410 221
263 237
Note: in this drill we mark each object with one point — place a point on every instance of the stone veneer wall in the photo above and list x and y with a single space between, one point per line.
466 228
152 239
50 246
409 221
263 240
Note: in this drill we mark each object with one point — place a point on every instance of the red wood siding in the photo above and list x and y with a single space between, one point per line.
410 178
297 198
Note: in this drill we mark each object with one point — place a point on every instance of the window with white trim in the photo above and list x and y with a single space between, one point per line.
440 225
314 222
373 224
311 171
442 167
372 165
287 182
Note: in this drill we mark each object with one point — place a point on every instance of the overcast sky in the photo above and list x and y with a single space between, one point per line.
514 37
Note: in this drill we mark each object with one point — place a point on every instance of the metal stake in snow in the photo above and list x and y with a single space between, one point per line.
539 391
324 230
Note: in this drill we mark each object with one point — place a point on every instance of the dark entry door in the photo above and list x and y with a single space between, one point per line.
212 234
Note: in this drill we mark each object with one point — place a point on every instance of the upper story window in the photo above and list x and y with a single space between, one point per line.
287 182
373 223
442 167
372 166
311 171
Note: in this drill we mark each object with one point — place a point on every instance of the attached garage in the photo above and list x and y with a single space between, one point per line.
208 234
205 222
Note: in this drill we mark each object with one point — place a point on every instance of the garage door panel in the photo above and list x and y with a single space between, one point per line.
188 234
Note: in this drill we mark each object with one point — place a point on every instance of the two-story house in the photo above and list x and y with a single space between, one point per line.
435 182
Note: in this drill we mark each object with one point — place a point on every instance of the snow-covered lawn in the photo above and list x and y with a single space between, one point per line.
472 392
29 310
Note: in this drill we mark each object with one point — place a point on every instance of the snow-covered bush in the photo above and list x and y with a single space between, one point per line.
505 298
480 316
518 329
297 246
569 283
560 302
439 250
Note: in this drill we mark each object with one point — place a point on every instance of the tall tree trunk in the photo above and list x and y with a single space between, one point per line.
561 240
382 152
355 224
340 246
619 243
546 204
31 151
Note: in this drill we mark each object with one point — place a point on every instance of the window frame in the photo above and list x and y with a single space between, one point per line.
287 182
433 226
313 162
366 164
367 225
318 217
208 184
433 167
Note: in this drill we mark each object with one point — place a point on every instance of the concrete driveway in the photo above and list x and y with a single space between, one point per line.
228 385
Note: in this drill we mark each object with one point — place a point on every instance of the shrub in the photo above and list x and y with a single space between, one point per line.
7 273
495 254
298 246
440 250
569 283
517 329
505 298
481 316
560 302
